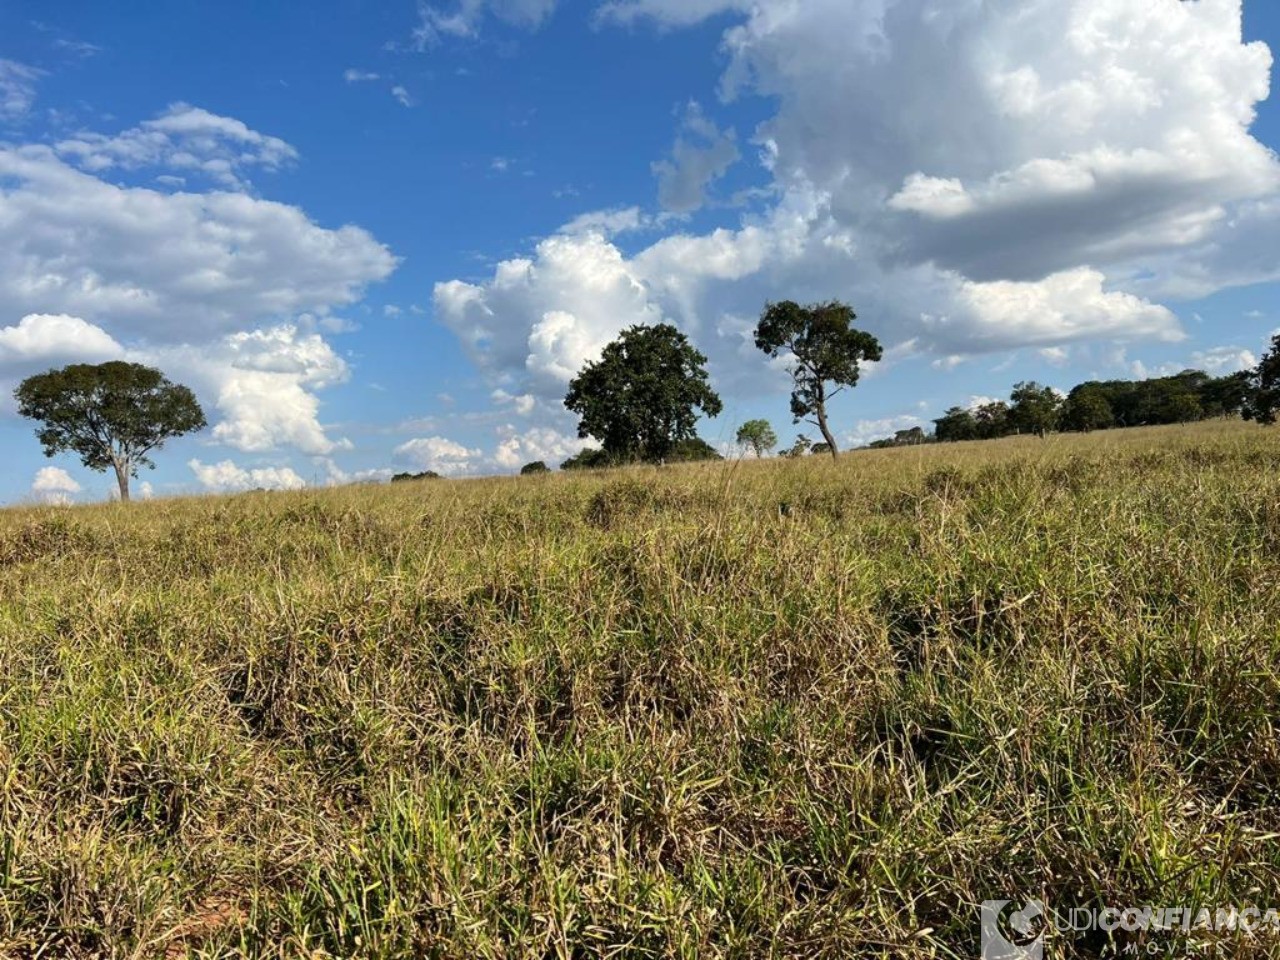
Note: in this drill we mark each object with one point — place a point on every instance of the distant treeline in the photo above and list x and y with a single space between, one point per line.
1096 405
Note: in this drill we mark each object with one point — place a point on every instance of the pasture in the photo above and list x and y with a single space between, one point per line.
752 709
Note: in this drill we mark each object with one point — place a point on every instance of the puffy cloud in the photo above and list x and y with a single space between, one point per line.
518 447
702 154
53 485
227 477
224 291
1021 173
547 316
1067 306
1224 360
17 89
263 383
168 267
183 138
440 455
47 339
402 96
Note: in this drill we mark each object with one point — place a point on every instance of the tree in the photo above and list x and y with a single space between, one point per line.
991 420
801 447
1034 408
693 451
1087 409
409 477
1263 402
110 414
587 460
1227 396
825 350
955 425
641 397
758 435
819 448
533 469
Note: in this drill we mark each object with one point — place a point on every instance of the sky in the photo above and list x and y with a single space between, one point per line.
383 236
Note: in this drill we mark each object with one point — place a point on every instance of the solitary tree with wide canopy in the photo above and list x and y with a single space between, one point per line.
112 415
642 398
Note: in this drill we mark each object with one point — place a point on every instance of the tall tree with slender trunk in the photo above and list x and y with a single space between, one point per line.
112 415
826 353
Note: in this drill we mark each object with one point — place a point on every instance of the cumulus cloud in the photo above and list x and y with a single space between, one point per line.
1073 305
227 477
184 138
1224 360
53 485
545 317
702 154
48 339
518 447
440 455
226 292
264 382
17 89
987 176
168 267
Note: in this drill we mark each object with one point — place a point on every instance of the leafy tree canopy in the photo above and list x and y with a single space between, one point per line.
532 469
758 435
826 354
1263 402
111 415
1034 408
643 396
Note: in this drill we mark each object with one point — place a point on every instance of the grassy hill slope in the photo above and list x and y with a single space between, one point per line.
766 709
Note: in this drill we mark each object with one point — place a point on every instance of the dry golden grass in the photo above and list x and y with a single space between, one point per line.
780 709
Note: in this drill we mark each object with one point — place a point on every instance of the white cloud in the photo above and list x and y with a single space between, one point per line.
47 339
1095 152
518 447
523 405
352 75
464 20
544 318
168 267
54 486
263 383
1064 307
402 96
608 223
227 477
439 455
17 89
183 138
866 431
1224 360
702 154
671 13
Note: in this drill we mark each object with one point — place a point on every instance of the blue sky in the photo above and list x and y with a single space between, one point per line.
380 237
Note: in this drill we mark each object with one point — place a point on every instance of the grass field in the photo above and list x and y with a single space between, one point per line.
787 709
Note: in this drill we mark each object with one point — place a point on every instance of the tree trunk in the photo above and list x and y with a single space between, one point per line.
826 431
122 478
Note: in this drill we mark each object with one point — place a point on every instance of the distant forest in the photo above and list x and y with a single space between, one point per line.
1096 405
